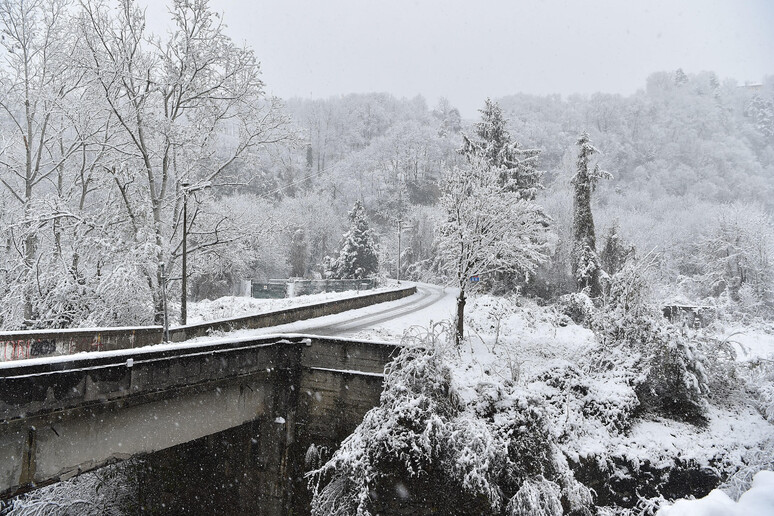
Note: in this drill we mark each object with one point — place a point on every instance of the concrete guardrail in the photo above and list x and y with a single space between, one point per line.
19 345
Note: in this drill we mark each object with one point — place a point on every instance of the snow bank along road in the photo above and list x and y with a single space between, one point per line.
430 303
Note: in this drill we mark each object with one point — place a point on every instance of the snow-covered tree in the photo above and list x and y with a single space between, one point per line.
488 229
517 167
615 251
298 254
185 110
586 266
358 256
762 112
735 257
35 83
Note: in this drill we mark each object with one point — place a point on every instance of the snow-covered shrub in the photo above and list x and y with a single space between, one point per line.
673 380
676 383
539 497
108 491
495 455
720 368
755 460
758 377
577 306
400 439
574 401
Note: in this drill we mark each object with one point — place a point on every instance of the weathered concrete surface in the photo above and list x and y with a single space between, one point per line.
275 397
37 343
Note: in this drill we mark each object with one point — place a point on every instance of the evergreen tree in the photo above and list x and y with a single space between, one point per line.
586 266
358 257
615 251
299 254
516 167
762 112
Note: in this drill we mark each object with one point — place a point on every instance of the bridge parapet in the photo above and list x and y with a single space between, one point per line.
20 345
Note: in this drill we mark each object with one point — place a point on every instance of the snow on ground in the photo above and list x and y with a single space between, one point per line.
234 306
514 341
750 343
757 501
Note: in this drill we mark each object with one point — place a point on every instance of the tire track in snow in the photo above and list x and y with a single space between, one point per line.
428 297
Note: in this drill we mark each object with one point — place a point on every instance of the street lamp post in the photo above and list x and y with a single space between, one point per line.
164 301
187 188
184 279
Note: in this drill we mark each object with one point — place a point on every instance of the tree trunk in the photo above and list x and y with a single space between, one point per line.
460 319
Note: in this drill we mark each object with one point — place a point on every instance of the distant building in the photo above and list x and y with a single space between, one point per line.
754 86
693 316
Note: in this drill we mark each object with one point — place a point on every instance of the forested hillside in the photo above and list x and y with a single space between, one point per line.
691 158
96 167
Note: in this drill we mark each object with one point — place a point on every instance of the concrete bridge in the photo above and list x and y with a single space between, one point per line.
267 399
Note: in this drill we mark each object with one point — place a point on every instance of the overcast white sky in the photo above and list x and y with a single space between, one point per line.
468 50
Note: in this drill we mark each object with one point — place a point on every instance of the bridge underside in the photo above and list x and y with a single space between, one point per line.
65 417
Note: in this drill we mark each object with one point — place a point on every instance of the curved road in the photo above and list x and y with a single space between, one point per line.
426 296
430 303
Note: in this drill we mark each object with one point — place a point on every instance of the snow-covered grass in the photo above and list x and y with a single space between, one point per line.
749 342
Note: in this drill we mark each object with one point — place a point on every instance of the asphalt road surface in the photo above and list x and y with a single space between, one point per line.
430 303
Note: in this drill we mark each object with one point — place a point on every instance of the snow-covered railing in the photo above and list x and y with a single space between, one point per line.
21 345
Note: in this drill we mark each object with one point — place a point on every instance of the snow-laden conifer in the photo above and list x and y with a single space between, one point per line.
359 256
516 167
586 266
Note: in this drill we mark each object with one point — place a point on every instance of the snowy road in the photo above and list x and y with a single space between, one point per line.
385 320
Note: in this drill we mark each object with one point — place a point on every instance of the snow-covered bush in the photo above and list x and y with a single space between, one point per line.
577 306
108 491
673 380
721 369
758 376
575 402
494 455
538 497
676 384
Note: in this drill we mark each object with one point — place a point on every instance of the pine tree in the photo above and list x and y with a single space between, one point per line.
615 251
358 256
762 111
586 266
516 167
299 254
